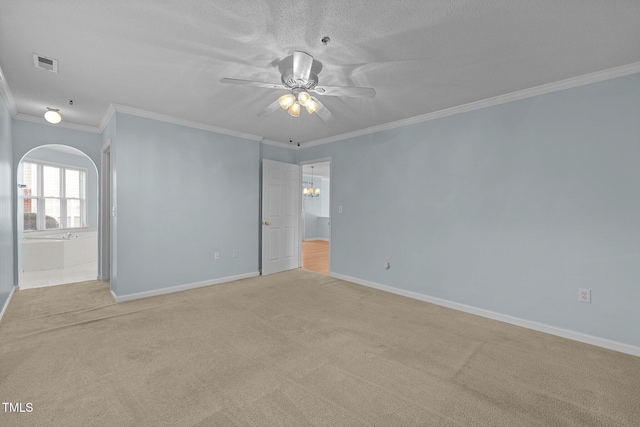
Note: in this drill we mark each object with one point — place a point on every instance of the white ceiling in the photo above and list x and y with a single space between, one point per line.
421 56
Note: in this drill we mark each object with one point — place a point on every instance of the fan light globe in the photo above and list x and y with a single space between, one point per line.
286 101
294 110
303 98
52 116
312 106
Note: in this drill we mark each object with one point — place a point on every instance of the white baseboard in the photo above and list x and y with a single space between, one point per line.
536 326
6 304
179 288
324 239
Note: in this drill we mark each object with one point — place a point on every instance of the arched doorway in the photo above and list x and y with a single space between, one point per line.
57 217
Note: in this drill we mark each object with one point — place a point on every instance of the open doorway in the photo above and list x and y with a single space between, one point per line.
316 220
57 217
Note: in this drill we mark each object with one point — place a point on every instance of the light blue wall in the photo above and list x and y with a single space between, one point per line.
511 208
28 135
325 190
279 154
109 131
313 209
49 155
7 214
181 195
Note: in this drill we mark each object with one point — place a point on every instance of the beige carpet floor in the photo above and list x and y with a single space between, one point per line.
295 349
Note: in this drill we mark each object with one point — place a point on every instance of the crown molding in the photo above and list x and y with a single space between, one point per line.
6 94
62 124
183 122
598 76
586 79
107 117
279 144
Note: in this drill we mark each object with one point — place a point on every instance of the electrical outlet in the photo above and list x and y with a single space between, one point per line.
216 255
387 264
235 253
339 209
584 295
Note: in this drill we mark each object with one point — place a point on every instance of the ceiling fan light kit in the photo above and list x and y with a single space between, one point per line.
303 98
287 100
311 106
294 110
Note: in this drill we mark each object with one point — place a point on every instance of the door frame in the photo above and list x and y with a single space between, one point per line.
105 213
311 162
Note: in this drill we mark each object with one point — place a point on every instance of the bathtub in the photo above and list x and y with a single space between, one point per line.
53 249
57 236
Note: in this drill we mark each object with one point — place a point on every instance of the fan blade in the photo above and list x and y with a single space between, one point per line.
323 112
353 91
270 109
302 63
252 83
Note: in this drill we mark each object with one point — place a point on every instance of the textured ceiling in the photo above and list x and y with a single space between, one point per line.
167 57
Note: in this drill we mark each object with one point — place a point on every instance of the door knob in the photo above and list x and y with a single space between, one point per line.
266 223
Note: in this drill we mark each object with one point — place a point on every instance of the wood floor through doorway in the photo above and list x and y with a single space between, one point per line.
315 256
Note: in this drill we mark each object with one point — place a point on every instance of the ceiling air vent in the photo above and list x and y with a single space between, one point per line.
45 63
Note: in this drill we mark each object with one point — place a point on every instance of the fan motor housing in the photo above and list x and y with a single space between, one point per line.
289 81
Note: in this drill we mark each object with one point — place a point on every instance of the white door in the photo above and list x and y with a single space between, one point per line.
280 216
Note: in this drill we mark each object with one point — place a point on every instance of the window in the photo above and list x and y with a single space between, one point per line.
55 196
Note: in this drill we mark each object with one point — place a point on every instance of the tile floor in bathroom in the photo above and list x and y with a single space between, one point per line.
76 273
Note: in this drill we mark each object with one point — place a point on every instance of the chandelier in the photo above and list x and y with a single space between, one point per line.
310 191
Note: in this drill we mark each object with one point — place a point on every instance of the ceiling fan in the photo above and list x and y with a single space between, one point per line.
299 76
